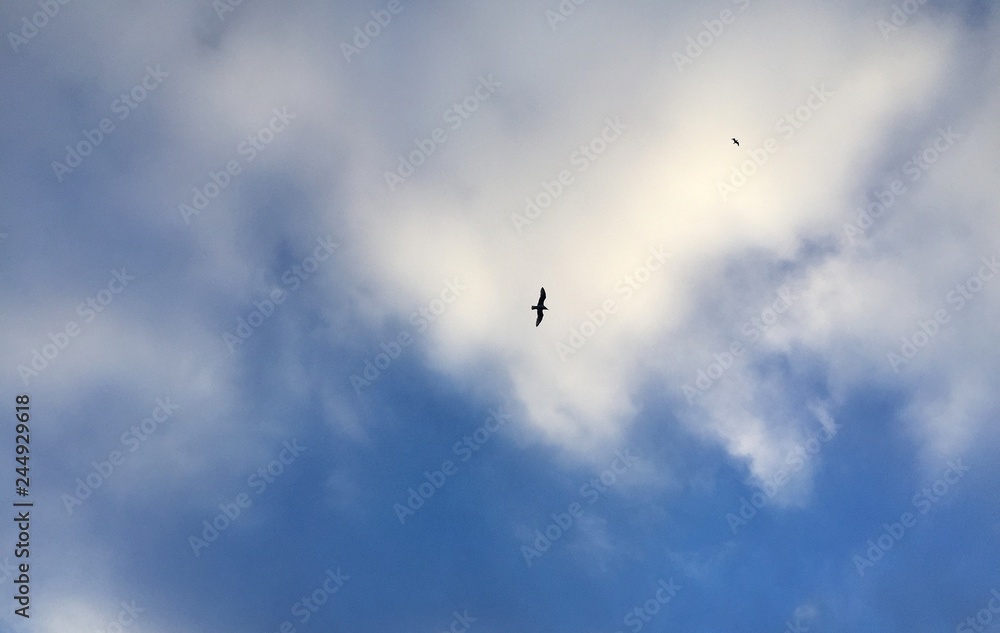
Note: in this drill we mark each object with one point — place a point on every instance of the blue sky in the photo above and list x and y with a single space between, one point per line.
267 272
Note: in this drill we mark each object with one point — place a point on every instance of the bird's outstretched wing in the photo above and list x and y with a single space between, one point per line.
541 297
539 319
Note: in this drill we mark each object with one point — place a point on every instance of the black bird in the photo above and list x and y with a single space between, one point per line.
737 142
541 306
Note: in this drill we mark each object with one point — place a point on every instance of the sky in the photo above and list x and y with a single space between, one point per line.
267 271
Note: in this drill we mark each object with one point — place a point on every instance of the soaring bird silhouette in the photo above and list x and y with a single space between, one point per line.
737 142
541 306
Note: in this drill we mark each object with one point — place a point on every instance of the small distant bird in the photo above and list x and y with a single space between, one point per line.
541 306
737 142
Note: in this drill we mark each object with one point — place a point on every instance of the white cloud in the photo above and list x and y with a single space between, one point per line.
661 189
